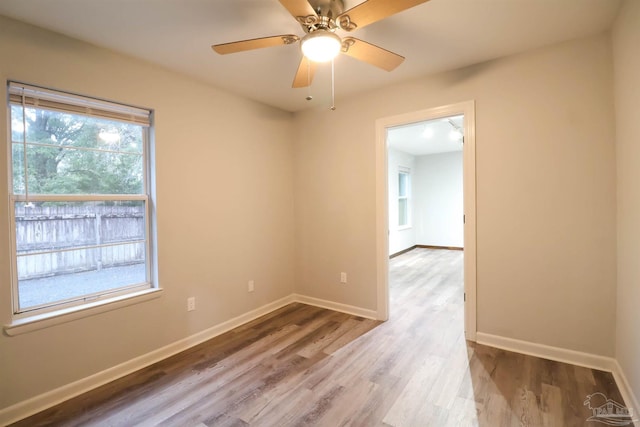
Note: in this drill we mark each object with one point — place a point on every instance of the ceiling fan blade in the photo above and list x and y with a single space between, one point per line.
240 46
305 73
372 11
371 53
299 8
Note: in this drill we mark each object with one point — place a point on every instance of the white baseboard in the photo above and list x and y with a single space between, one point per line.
336 306
630 399
558 354
53 397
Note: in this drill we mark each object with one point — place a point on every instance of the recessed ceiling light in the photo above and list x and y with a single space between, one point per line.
455 135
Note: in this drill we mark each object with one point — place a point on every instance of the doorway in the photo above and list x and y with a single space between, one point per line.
465 111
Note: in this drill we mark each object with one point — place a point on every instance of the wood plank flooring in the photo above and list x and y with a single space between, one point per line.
304 366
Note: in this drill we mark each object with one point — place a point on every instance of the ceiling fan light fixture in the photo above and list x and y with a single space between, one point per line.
321 45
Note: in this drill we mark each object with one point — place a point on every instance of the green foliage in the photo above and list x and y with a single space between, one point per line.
75 154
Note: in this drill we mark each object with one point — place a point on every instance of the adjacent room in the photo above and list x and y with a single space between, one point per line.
202 223
425 168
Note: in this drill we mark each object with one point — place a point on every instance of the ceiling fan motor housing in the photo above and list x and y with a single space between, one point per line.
328 8
327 11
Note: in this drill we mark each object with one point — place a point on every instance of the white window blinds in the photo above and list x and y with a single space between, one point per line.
33 96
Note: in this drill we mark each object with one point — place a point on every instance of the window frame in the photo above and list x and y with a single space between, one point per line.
406 198
87 106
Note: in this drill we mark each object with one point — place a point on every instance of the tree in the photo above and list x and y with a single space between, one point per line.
75 154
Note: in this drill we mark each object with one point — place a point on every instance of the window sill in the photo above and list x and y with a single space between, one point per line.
52 318
404 227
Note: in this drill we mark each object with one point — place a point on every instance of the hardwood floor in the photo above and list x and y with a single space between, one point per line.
303 365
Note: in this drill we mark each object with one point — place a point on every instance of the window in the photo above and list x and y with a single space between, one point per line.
79 199
404 194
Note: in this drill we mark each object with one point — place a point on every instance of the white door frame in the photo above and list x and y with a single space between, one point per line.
469 184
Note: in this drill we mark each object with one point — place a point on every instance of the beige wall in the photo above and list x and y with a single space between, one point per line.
545 192
209 163
626 63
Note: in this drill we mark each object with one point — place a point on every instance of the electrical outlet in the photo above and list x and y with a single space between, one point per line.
343 277
191 303
250 286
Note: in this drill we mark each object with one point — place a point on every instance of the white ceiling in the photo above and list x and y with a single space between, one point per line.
436 36
429 137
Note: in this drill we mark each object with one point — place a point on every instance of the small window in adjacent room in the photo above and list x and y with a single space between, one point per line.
79 199
404 197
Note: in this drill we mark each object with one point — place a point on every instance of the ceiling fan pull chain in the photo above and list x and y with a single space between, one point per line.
333 86
309 97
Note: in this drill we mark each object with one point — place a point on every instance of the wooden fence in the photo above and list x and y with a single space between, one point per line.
61 239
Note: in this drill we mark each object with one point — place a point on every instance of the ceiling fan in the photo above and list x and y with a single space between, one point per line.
320 19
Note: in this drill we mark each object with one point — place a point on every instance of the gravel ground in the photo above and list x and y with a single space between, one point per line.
57 288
